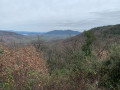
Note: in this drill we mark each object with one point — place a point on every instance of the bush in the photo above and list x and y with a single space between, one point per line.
90 38
110 70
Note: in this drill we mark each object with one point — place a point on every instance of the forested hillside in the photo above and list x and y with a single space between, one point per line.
88 61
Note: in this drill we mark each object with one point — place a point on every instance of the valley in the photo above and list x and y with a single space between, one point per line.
86 61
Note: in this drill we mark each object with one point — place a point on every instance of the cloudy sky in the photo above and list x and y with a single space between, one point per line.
46 15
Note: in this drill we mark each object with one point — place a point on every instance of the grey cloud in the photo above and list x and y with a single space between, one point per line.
45 15
102 18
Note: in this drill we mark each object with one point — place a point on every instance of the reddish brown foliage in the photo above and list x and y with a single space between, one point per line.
21 59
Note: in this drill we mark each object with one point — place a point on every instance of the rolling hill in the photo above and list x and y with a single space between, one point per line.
62 32
11 36
59 34
48 36
104 33
105 36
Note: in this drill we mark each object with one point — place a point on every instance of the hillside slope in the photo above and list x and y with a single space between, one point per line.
11 36
105 36
106 33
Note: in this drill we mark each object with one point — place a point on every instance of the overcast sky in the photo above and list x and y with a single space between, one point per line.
46 15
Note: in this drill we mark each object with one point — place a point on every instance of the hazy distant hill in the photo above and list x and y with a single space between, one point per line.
11 36
62 32
59 34
25 32
54 32
48 36
28 33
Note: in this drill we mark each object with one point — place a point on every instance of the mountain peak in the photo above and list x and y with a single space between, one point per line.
62 32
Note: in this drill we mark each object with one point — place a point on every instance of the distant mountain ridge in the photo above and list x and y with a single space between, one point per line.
27 33
62 32
54 32
24 32
10 36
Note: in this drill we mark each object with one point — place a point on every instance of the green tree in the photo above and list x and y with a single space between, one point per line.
87 46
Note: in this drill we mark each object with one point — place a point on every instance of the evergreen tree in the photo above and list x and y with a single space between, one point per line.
90 38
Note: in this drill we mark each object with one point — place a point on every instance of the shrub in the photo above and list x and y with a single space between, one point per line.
110 70
90 38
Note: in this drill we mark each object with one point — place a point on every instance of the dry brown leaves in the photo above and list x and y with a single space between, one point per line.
21 58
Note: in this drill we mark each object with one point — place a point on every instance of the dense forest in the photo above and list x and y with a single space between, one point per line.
88 61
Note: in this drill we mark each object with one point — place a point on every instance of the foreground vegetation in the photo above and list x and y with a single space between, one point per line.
41 66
